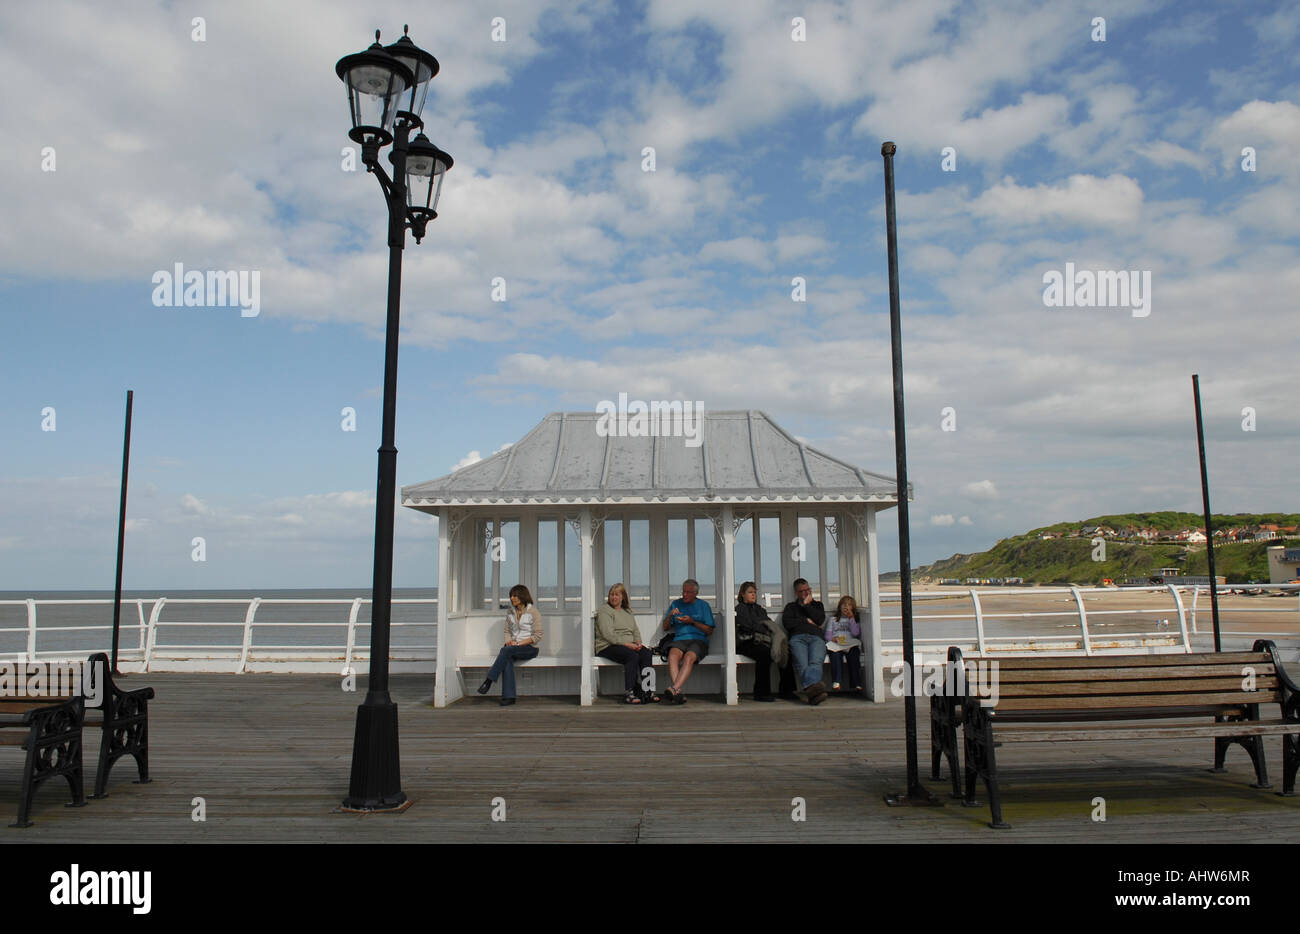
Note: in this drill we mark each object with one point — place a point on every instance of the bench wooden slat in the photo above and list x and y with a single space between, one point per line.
17 706
1117 713
1015 662
1029 734
1133 701
1015 676
1141 688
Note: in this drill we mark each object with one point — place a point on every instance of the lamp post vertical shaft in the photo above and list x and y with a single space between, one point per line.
376 782
915 793
1205 497
121 529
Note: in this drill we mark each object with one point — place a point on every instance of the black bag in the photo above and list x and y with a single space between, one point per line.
662 648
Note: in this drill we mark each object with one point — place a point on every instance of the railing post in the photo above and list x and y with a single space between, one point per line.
248 633
1196 595
1083 620
153 631
139 612
31 630
979 621
1182 618
352 636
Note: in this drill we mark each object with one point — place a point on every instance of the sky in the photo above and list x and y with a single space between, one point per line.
1157 138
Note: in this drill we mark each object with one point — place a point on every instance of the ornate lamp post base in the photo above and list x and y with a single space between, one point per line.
376 769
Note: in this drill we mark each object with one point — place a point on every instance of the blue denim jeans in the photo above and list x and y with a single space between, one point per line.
808 653
504 666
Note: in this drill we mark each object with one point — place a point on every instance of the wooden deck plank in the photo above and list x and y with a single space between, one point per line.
270 754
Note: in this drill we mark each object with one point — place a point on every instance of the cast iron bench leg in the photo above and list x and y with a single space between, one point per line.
53 748
126 733
1290 762
950 750
1254 745
936 743
989 767
968 800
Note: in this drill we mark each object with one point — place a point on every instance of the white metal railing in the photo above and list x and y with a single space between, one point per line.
165 644
161 643
1086 639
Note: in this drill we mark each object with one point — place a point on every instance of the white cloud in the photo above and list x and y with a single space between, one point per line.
942 520
192 505
745 250
1166 155
982 489
1272 128
1086 199
794 246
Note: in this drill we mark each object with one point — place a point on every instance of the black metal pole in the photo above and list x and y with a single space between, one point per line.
121 528
915 793
376 783
1205 497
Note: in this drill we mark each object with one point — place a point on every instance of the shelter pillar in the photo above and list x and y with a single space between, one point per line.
588 608
875 679
789 523
442 677
726 587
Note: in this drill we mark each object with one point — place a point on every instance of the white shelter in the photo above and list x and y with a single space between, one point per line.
582 502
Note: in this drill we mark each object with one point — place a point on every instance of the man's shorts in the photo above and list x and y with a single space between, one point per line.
698 646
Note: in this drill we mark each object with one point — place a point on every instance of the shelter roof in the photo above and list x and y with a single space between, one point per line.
591 458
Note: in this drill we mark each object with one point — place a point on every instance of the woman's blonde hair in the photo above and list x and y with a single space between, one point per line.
627 603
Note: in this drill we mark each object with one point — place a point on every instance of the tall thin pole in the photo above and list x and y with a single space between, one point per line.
1205 497
121 528
915 793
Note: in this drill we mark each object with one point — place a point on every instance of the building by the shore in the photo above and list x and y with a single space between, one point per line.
1283 564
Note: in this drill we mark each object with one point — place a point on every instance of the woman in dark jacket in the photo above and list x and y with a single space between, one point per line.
754 630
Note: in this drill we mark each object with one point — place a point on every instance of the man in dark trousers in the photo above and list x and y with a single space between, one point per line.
805 620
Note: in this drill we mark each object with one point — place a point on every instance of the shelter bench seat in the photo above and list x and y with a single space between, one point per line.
576 661
713 658
1044 699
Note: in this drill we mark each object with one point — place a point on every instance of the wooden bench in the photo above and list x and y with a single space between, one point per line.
49 730
1045 699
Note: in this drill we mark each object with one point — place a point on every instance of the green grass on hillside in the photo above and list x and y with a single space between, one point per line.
1070 560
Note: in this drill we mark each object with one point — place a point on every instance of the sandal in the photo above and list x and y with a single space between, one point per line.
631 698
650 697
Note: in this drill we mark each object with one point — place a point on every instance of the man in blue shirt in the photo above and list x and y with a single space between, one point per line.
691 621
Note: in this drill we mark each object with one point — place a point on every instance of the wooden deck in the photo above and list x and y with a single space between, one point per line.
270 755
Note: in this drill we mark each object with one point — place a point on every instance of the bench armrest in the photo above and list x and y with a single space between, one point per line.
1289 690
57 718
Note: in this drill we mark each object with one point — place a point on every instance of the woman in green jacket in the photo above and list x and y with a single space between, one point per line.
618 638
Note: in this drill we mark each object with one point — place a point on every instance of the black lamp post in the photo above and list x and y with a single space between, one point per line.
386 92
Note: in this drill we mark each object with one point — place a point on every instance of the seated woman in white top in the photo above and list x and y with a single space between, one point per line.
523 633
